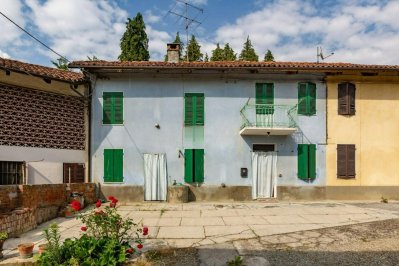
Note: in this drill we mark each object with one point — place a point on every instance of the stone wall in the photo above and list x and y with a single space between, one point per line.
9 198
18 221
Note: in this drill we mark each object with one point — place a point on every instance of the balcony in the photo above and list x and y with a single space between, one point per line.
268 119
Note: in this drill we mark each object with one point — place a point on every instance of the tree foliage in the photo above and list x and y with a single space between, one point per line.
193 50
248 52
206 58
229 54
217 54
62 63
269 56
134 42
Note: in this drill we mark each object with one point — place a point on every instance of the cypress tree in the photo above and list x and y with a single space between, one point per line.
217 54
229 54
248 52
134 42
206 59
269 56
193 50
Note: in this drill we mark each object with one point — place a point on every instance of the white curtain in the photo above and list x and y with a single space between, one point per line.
264 120
264 174
155 172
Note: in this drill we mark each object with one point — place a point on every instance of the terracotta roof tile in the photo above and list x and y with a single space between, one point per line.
42 71
230 64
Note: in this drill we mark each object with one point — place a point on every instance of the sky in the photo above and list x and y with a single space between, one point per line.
357 31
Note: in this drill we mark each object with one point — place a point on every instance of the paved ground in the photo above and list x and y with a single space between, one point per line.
232 228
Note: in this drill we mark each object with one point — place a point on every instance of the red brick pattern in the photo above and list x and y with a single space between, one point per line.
9 198
18 221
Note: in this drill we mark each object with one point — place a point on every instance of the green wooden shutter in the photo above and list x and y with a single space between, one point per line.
312 161
264 96
199 109
118 165
108 165
107 108
303 163
188 109
311 98
302 99
118 107
259 98
199 165
188 165
269 95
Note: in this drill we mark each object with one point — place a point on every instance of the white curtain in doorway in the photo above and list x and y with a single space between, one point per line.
264 120
155 172
264 174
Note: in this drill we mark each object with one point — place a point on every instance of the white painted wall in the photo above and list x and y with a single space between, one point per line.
152 100
44 166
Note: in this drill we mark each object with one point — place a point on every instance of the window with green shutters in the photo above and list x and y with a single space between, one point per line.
113 165
194 109
193 165
264 98
112 108
306 161
306 98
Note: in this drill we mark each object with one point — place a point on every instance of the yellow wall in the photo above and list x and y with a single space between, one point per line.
374 129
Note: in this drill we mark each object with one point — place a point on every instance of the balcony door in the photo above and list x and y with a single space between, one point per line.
264 104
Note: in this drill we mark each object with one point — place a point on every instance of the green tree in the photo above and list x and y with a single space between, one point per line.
269 56
248 52
93 58
217 54
193 50
206 59
134 42
62 63
229 54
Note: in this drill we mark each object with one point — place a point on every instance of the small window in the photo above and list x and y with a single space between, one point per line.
263 147
12 173
74 172
346 98
346 161
113 165
193 165
112 108
194 109
306 98
306 161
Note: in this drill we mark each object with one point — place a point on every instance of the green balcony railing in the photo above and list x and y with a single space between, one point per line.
268 115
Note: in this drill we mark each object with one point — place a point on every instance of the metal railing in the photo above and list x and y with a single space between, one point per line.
268 115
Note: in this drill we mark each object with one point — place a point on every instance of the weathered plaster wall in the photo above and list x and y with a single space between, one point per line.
373 129
152 100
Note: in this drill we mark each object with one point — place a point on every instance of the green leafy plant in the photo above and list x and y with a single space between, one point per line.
53 246
3 236
237 261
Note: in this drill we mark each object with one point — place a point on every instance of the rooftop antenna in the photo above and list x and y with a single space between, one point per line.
188 21
320 54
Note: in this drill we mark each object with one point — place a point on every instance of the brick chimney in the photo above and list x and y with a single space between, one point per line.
173 52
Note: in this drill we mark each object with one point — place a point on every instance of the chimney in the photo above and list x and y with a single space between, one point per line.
173 52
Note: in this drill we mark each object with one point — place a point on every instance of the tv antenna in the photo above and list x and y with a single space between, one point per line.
320 54
188 21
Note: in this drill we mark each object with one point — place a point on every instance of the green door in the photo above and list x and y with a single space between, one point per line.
193 165
113 165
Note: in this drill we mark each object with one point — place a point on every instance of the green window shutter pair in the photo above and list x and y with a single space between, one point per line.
306 98
264 98
306 161
112 108
113 165
193 165
194 109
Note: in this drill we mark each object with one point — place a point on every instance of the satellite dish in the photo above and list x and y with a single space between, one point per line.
320 54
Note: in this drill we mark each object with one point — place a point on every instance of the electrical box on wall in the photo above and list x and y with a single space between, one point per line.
244 172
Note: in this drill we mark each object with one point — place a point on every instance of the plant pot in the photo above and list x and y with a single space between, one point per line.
26 250
42 248
1 248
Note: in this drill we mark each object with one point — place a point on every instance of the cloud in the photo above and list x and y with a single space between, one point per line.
9 33
4 55
150 17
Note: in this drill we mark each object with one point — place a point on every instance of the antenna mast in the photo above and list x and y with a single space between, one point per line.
320 54
188 21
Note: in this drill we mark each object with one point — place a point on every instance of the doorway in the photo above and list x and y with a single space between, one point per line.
155 174
264 171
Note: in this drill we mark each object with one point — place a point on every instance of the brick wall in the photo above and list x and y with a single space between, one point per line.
18 221
37 196
9 198
87 189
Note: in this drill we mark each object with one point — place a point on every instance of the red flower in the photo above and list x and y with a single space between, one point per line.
83 228
145 233
111 198
145 229
112 205
76 205
115 200
98 204
139 246
129 250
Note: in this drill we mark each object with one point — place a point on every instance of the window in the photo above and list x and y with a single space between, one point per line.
346 167
112 108
264 98
194 165
74 172
11 173
346 98
113 165
306 98
306 161
194 109
263 147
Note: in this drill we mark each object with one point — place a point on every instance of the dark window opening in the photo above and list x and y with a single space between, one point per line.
74 173
263 147
12 173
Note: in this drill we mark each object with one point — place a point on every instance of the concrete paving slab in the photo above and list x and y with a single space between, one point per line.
248 246
272 229
183 232
202 221
188 214
145 214
183 243
164 221
150 221
225 230
218 213
289 219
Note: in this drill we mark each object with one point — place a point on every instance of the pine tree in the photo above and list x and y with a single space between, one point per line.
193 50
217 54
134 42
229 54
62 63
248 52
269 56
206 59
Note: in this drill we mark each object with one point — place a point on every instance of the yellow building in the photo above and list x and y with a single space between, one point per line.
362 157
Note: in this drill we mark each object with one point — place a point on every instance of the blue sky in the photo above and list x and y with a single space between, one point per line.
357 31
